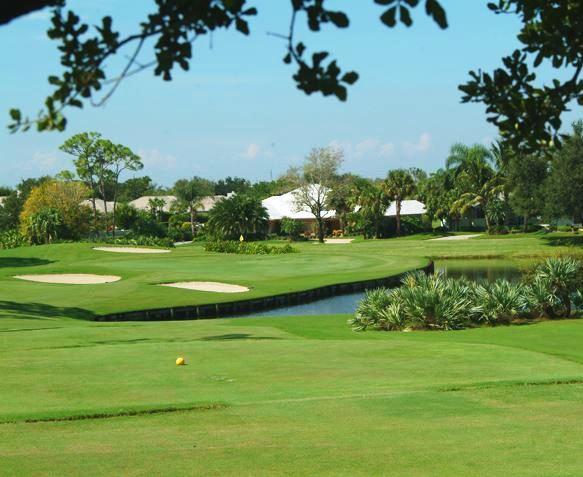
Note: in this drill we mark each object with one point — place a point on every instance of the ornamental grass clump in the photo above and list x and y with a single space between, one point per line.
561 278
499 303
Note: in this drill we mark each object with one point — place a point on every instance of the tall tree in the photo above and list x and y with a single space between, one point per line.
373 201
526 179
100 163
399 185
232 184
315 180
476 180
117 159
136 187
565 183
438 194
190 193
342 198
88 163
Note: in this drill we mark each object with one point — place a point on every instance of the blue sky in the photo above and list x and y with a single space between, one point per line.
237 111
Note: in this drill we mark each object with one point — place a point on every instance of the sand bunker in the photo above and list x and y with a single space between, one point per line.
208 287
338 240
457 237
70 278
131 250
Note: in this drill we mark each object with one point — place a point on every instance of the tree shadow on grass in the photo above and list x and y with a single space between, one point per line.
238 336
17 262
41 311
574 241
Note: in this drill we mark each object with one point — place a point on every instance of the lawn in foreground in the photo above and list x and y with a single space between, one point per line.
291 396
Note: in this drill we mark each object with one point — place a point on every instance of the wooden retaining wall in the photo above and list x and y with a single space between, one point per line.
242 307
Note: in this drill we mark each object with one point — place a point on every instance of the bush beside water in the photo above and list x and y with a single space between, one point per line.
247 248
435 302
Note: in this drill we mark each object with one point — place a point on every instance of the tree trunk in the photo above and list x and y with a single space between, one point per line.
525 222
487 221
320 229
398 217
114 206
192 219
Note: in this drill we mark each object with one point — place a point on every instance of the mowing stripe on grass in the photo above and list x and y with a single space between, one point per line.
123 413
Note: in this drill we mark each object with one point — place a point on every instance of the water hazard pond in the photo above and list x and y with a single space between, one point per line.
474 269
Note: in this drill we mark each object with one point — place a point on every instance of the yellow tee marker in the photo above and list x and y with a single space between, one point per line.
180 361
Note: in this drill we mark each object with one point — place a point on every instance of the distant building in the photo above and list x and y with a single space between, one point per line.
99 205
143 203
280 206
408 208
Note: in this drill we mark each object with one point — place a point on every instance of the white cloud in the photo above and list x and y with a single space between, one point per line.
156 160
422 145
252 151
367 148
45 161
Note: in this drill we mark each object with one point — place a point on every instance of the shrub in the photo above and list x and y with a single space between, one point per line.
292 228
140 240
63 197
371 309
499 302
247 248
564 228
12 239
557 279
436 302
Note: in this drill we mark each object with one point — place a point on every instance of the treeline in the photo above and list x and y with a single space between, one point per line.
505 188
478 187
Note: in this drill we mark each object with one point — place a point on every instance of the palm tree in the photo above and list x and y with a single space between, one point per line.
156 207
190 193
237 215
476 179
399 185
373 202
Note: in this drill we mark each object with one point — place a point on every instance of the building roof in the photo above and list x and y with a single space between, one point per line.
143 203
99 205
408 207
279 206
207 203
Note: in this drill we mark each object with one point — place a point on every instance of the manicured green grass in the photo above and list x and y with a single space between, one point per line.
301 396
276 396
315 266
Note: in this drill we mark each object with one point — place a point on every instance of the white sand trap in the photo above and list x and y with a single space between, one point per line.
70 278
208 287
338 240
131 250
458 237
